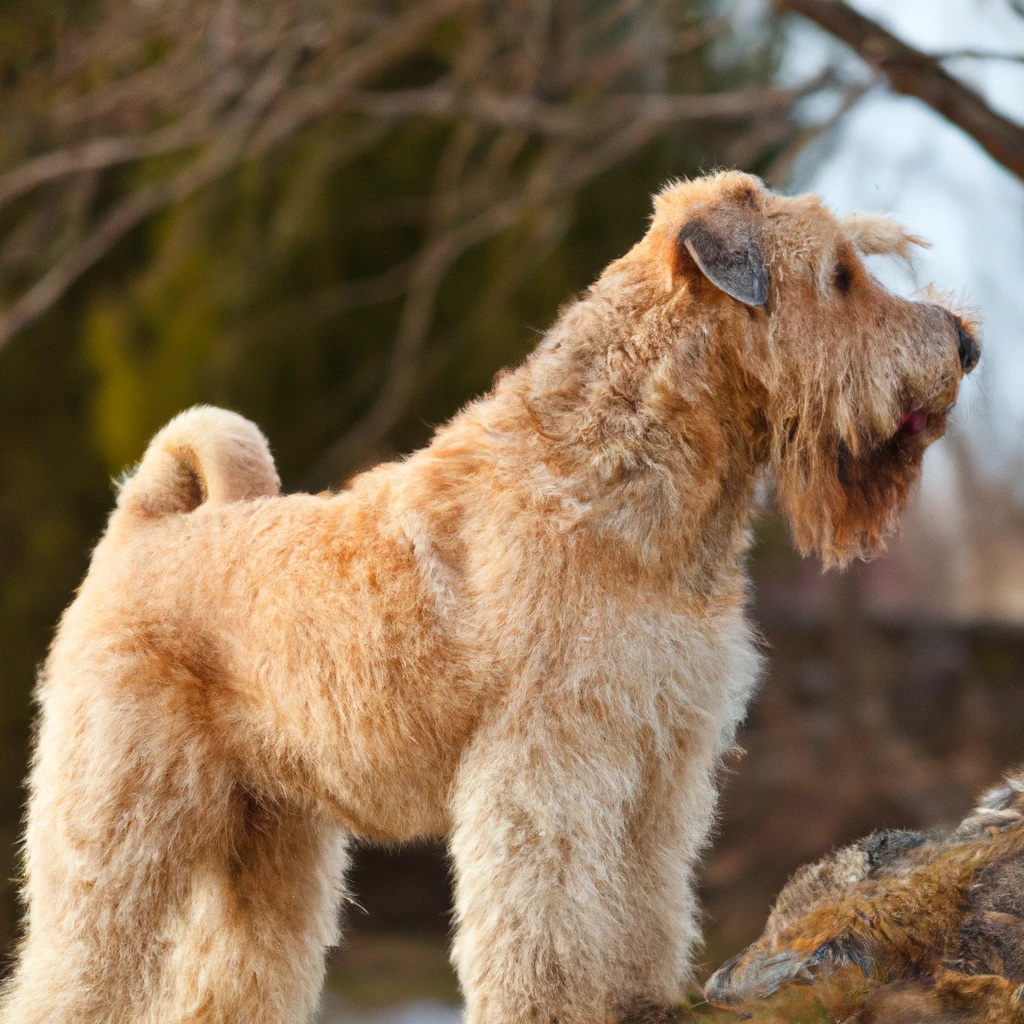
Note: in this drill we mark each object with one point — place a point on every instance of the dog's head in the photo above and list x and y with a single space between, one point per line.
846 383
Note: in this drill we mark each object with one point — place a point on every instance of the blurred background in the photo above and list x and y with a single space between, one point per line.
342 217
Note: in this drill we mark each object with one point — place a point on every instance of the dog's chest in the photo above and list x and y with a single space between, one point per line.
685 671
654 669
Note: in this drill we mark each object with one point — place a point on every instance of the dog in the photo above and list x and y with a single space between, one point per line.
529 637
922 927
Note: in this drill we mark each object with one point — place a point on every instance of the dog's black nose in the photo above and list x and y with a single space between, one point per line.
968 348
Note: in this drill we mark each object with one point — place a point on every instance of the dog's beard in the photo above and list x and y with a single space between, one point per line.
842 505
876 486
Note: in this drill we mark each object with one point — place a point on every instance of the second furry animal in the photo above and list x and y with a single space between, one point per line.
899 928
529 637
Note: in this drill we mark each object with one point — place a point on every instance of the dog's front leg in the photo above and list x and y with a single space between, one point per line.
541 807
667 829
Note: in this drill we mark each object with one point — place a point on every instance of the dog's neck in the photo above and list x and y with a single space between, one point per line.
654 437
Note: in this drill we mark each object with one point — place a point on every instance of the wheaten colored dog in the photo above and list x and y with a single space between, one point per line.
529 637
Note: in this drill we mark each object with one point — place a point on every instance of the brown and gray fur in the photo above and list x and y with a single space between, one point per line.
529 637
901 926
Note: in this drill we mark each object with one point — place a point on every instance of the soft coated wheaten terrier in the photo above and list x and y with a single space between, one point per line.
528 637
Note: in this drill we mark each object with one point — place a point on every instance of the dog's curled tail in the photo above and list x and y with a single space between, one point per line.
204 455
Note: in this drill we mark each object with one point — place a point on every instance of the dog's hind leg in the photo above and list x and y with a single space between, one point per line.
159 890
250 944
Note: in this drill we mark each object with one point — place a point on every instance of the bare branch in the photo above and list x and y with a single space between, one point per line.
532 115
432 264
144 202
1016 58
782 165
178 74
231 146
45 292
913 73
362 62
96 155
301 313
624 59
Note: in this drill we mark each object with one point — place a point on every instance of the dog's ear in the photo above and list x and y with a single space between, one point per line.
725 244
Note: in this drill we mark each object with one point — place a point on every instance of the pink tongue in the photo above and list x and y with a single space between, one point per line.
914 423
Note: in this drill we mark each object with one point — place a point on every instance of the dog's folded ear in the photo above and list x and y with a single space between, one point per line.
724 244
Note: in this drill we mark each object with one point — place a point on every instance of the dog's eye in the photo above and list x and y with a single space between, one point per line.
843 277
